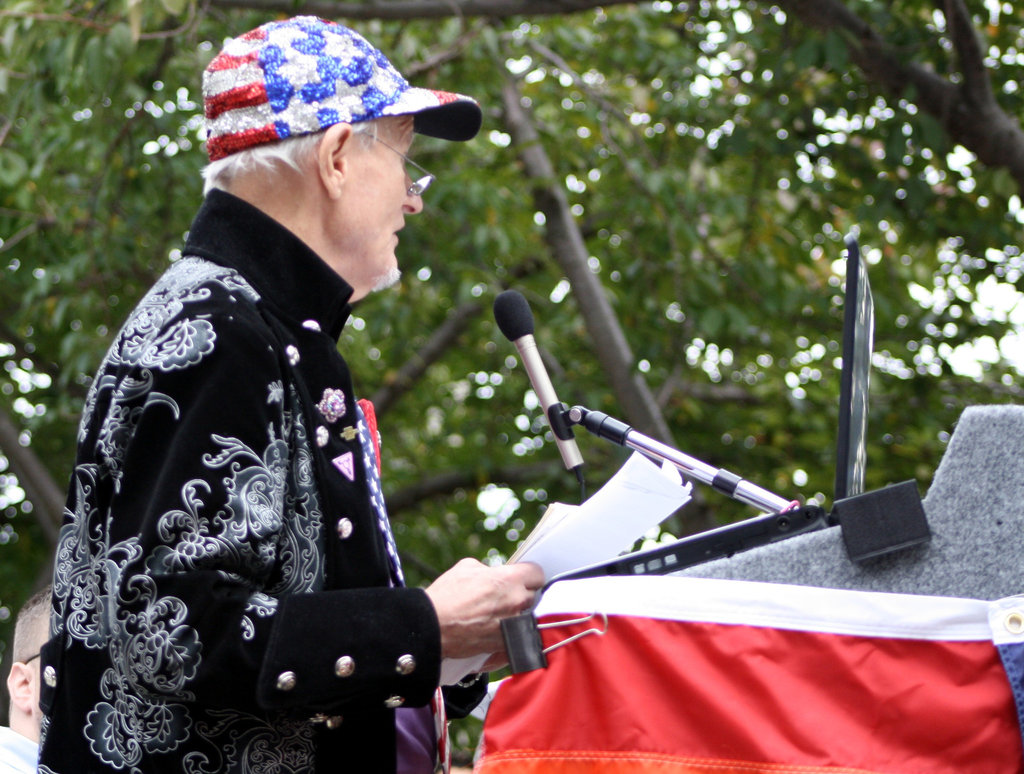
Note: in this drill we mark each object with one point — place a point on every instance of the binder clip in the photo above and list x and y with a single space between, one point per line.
523 645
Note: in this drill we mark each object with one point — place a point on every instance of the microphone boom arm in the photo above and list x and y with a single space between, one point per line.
604 426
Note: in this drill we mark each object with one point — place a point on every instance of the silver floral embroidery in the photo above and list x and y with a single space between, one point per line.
301 562
108 596
181 345
143 341
259 606
80 579
123 416
232 538
275 392
145 636
162 654
242 742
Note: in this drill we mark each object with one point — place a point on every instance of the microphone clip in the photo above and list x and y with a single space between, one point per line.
558 421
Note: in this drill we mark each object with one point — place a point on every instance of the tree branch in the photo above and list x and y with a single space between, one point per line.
436 59
46 497
968 49
566 243
419 9
444 483
967 111
703 392
413 368
60 18
40 224
563 237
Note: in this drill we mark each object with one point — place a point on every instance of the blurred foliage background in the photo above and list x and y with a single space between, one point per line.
668 183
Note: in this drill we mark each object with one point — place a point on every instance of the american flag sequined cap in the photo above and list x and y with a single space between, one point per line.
299 76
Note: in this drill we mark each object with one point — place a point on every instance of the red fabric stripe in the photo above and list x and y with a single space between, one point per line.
239 97
764 697
370 415
226 144
229 62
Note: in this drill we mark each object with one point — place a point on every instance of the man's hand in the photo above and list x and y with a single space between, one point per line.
471 598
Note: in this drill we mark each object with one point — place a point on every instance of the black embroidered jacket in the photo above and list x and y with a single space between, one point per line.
221 584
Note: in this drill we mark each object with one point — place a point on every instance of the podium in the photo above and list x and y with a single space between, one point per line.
790 658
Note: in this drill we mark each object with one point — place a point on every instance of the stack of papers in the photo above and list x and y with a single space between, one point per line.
639 496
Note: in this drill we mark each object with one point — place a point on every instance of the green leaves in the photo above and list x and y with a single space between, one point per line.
13 168
712 157
176 7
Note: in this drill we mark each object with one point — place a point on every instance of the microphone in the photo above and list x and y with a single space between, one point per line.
515 320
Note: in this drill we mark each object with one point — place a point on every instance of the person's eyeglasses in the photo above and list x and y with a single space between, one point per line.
30 658
419 185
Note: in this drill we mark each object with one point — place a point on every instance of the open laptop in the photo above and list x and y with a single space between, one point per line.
851 444
858 341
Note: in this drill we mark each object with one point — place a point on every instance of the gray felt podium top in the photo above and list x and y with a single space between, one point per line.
975 509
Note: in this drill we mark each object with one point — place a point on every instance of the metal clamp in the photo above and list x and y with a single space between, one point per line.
523 644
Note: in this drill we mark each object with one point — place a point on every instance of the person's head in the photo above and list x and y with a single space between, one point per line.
31 630
310 123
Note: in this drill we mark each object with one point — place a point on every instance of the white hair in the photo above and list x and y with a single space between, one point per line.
292 152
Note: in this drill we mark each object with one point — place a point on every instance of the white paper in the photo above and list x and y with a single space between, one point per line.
639 496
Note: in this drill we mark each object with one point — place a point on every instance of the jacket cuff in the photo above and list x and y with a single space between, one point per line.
353 649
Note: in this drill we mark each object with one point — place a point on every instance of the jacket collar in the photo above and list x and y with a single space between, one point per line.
286 273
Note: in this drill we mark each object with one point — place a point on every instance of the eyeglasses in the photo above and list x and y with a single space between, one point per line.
420 184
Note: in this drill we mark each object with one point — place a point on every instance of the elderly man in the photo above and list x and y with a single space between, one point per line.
229 596
19 743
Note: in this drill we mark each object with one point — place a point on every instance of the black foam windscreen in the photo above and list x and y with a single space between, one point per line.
883 521
513 315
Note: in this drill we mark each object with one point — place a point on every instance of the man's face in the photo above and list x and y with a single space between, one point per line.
373 208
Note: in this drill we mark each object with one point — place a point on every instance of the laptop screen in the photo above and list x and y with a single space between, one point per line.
858 340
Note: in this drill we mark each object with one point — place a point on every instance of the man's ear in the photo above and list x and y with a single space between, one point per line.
332 157
19 685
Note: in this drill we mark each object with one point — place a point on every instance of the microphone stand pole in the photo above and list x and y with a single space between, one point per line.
611 429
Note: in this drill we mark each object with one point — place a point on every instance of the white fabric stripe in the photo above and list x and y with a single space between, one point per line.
798 608
1006 617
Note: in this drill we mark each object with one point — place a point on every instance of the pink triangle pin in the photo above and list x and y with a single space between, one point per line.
345 464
